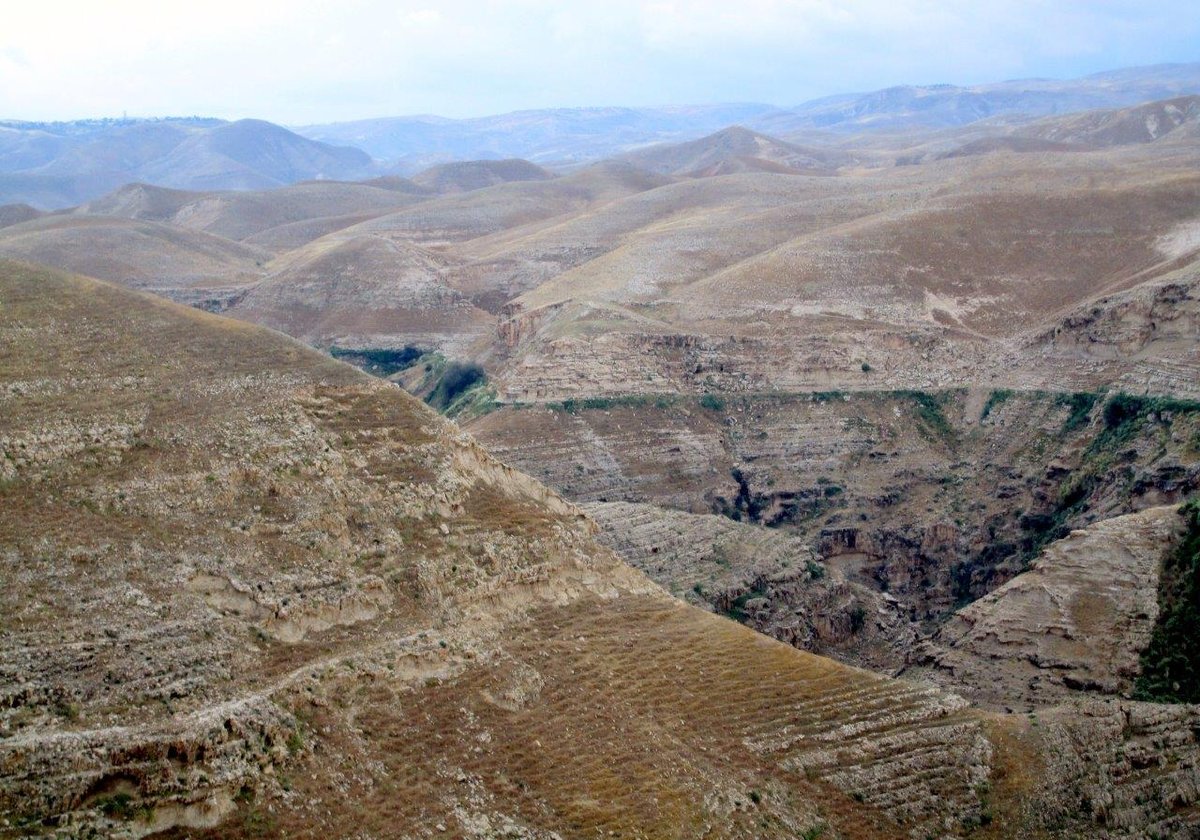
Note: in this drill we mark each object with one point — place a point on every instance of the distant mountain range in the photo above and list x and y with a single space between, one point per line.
55 165
567 135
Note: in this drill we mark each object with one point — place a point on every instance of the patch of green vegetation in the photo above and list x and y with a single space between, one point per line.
858 618
1171 662
712 402
928 408
120 806
866 367
295 742
380 361
816 570
828 396
1125 414
572 406
995 398
456 389
456 379
66 710
1081 404
737 607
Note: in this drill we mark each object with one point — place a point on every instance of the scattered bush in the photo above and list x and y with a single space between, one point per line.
712 402
929 412
295 742
119 806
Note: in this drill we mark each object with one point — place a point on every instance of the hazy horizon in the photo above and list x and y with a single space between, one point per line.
365 59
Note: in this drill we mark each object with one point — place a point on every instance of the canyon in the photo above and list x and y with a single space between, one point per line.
783 486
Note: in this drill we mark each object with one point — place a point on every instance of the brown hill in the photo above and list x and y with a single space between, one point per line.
185 265
1101 129
363 291
14 214
242 215
476 174
734 149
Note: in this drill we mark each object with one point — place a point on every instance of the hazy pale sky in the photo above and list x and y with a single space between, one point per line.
305 61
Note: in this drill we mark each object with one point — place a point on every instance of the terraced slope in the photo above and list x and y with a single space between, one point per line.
255 592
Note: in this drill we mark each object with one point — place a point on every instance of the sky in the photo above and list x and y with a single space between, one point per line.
310 61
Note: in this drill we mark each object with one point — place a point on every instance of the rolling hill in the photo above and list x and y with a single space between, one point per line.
733 150
182 264
475 175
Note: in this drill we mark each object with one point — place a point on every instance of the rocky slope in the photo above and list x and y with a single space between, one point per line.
765 578
364 291
935 498
1077 621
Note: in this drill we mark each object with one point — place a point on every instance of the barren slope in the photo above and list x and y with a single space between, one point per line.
734 149
364 291
185 265
470 175
254 215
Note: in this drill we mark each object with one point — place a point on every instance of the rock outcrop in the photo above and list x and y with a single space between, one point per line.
1075 623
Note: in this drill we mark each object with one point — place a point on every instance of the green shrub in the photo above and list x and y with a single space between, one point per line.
995 398
455 380
928 409
1081 405
119 806
1171 662
712 402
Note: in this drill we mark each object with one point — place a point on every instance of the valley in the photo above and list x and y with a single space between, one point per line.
828 475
